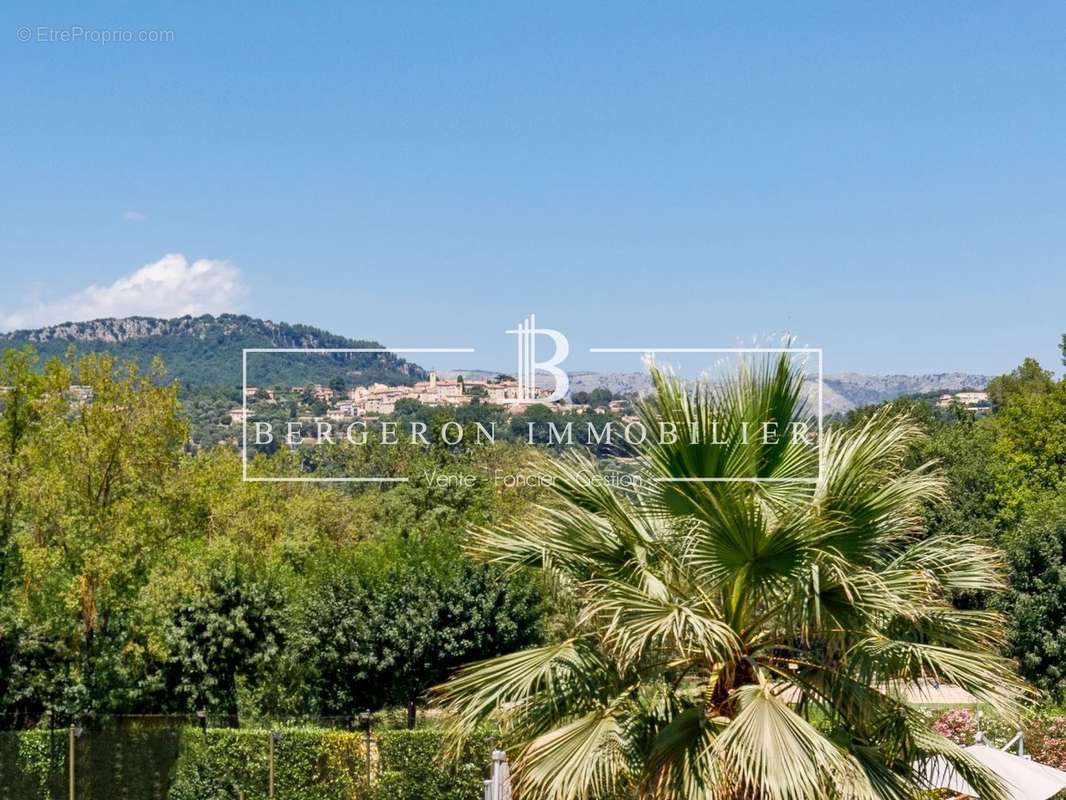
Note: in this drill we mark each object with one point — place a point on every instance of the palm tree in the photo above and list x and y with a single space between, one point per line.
741 639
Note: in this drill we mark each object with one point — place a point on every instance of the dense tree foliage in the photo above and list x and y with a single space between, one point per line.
1037 595
19 415
1005 475
141 577
231 630
1027 379
401 619
1030 451
138 574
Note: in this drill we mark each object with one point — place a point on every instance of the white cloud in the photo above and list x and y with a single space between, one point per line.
134 216
169 287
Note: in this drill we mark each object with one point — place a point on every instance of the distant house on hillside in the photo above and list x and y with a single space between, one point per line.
973 400
346 409
238 415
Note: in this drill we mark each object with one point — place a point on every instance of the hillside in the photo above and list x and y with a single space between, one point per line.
206 351
862 390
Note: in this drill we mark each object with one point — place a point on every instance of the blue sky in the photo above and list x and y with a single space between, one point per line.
886 181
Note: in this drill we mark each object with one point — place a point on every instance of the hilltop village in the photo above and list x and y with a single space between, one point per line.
337 403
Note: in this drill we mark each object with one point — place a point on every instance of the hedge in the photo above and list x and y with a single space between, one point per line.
414 768
232 764
309 764
33 764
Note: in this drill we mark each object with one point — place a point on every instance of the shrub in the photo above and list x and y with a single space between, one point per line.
309 764
312 764
233 764
221 764
414 767
1045 739
392 786
33 764
959 725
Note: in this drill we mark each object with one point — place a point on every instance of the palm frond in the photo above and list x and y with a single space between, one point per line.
774 751
581 759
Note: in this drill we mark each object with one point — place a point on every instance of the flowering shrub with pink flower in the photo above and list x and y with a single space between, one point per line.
1045 733
1045 739
959 725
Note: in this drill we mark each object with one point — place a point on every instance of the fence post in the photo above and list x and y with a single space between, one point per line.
70 760
270 769
368 717
499 787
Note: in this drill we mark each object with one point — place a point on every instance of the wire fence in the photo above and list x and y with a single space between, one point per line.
200 757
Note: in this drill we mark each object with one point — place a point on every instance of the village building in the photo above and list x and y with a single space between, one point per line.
239 415
974 400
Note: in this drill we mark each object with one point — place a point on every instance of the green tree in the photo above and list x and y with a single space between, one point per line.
410 407
403 615
600 396
230 629
1028 379
1029 455
739 639
964 451
93 501
22 393
1036 598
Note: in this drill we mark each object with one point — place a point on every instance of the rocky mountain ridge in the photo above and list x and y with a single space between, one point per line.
113 330
207 350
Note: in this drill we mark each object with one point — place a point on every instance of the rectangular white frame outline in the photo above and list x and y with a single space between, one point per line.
740 350
643 350
244 403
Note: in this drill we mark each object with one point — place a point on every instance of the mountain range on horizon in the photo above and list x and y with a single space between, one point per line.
841 392
206 351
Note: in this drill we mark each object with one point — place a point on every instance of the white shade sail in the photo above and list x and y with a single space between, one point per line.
1024 779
